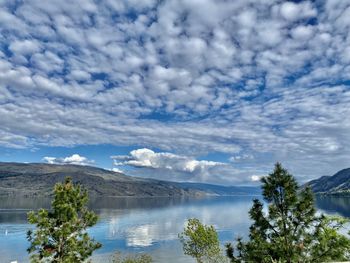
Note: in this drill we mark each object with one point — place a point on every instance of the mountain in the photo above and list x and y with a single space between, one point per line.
222 190
338 184
35 179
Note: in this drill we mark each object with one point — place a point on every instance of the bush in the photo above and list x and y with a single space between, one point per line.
142 258
201 242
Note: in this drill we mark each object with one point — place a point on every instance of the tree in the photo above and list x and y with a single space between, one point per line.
61 235
200 241
291 231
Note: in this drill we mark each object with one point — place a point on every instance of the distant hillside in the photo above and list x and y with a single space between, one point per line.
38 179
338 184
222 190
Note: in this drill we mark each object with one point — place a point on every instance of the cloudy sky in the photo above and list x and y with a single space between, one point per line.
201 90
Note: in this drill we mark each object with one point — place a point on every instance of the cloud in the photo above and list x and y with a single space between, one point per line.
256 178
117 170
242 157
169 166
266 78
150 159
24 47
73 159
293 11
13 141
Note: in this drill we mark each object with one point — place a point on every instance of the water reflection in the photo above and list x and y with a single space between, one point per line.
150 225
132 225
334 205
153 229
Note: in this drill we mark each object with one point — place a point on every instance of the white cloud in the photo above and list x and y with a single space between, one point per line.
302 32
25 47
50 160
80 75
256 178
242 157
169 166
293 11
150 159
13 141
117 170
268 78
290 10
73 159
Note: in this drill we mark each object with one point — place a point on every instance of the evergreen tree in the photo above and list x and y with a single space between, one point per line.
61 235
200 242
291 231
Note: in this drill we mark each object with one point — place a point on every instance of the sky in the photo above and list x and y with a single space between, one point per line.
187 90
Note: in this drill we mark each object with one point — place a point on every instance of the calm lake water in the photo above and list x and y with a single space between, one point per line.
136 225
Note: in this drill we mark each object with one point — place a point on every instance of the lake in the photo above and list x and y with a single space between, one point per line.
136 225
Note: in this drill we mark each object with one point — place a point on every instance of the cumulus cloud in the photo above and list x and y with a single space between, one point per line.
150 159
269 78
73 159
169 164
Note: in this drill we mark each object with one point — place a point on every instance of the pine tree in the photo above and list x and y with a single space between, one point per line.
61 235
291 231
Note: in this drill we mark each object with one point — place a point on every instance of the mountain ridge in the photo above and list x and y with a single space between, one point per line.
337 184
38 179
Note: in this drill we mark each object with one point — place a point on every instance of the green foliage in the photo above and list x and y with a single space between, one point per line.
142 258
200 242
61 235
291 231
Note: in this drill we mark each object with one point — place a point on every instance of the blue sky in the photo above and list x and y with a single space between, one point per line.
209 91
